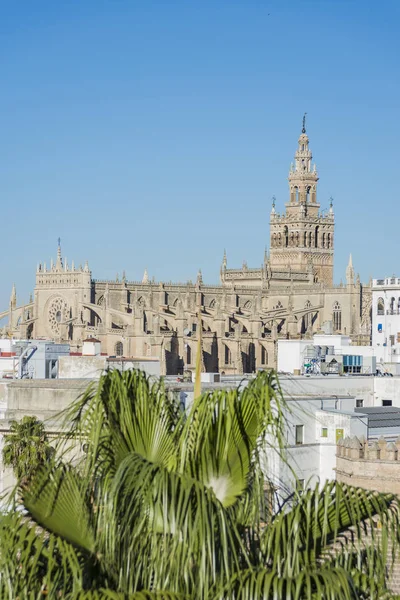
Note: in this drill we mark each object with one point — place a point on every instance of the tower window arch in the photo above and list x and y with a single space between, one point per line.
308 192
380 306
296 194
393 306
337 317
316 236
310 239
286 236
323 240
305 239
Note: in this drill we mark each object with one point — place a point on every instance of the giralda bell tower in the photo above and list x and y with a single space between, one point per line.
303 236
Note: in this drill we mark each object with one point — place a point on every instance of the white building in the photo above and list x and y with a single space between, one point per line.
386 319
325 353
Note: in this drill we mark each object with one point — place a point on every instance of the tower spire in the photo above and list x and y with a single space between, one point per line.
304 123
59 263
350 271
13 297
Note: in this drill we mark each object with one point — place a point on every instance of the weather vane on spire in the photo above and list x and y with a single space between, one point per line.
304 123
59 241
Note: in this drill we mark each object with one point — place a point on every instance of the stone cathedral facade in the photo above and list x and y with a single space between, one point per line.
290 295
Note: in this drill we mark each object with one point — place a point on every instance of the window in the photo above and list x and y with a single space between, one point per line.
299 434
380 306
228 356
339 434
188 355
386 403
359 403
324 432
286 236
337 317
391 338
119 349
264 356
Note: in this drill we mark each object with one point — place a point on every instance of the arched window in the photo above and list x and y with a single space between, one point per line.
286 236
381 306
119 349
392 306
212 303
308 194
228 356
316 236
337 317
310 239
305 239
329 241
296 194
323 240
188 355
264 356
279 239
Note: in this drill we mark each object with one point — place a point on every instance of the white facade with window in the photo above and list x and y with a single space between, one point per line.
386 319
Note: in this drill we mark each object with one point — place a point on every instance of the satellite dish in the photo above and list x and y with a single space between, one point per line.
186 331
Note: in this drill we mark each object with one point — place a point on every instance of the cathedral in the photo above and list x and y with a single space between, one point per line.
291 295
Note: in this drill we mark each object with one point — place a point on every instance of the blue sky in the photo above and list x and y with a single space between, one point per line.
154 134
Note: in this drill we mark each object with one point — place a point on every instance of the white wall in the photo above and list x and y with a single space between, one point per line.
290 354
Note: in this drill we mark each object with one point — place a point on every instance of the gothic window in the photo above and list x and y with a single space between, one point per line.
188 355
228 356
286 236
212 303
323 240
316 236
119 349
329 240
100 301
274 240
310 239
381 306
337 317
297 238
264 356
247 305
279 239
141 302
308 194
305 239
296 194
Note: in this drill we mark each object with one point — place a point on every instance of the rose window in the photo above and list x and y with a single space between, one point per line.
58 313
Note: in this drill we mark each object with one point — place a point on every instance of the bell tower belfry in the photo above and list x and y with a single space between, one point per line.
303 236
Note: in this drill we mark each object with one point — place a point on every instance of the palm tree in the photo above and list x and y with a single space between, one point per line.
26 447
166 505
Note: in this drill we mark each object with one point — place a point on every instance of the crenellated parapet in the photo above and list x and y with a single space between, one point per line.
373 465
